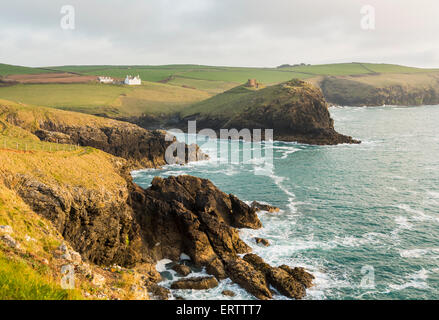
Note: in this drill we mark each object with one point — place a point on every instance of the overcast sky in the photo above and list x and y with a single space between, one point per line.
261 33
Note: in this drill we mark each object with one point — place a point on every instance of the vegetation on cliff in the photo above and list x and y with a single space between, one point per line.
295 110
381 89
78 206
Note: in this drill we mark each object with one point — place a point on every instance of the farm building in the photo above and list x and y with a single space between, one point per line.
129 80
105 79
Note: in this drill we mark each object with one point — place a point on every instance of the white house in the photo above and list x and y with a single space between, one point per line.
105 79
132 81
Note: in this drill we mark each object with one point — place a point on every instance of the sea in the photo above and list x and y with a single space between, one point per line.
363 219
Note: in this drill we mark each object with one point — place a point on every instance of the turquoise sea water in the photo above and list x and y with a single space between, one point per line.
364 219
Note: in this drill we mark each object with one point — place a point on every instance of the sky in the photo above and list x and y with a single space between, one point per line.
219 32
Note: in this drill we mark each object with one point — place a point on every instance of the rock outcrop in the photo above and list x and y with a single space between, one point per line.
380 89
186 214
190 215
295 110
290 283
142 148
195 283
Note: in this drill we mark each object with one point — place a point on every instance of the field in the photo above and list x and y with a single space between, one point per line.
7 69
104 99
53 77
169 89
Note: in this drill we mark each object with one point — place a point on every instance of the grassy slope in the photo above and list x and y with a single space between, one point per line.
7 69
232 102
33 272
25 276
190 84
110 100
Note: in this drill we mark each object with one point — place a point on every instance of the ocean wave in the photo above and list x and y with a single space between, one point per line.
417 280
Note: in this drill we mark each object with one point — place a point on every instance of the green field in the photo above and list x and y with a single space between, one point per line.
7 69
182 85
103 99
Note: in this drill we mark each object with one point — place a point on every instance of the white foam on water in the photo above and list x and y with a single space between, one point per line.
402 224
415 280
418 215
160 265
419 252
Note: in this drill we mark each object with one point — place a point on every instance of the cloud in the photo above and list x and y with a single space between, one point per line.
218 32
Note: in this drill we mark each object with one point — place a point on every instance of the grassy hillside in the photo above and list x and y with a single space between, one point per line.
31 269
170 89
238 74
378 89
25 276
7 69
110 100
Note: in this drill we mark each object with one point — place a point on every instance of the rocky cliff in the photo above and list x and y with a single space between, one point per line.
141 147
379 89
295 110
121 223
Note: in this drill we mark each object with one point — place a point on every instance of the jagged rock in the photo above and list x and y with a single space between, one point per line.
300 275
263 207
228 293
6 229
196 283
280 279
143 148
181 269
54 137
190 215
262 241
295 110
244 274
158 292
96 223
10 242
216 268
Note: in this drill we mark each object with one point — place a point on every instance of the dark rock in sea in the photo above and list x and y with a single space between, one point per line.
196 283
191 215
280 279
228 293
300 275
181 269
262 241
263 207
248 277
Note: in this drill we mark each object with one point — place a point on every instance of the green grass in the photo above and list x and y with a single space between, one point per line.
210 86
7 69
20 281
103 99
233 101
63 95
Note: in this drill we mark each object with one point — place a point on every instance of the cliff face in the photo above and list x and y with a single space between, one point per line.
190 215
90 198
295 110
378 90
127 225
